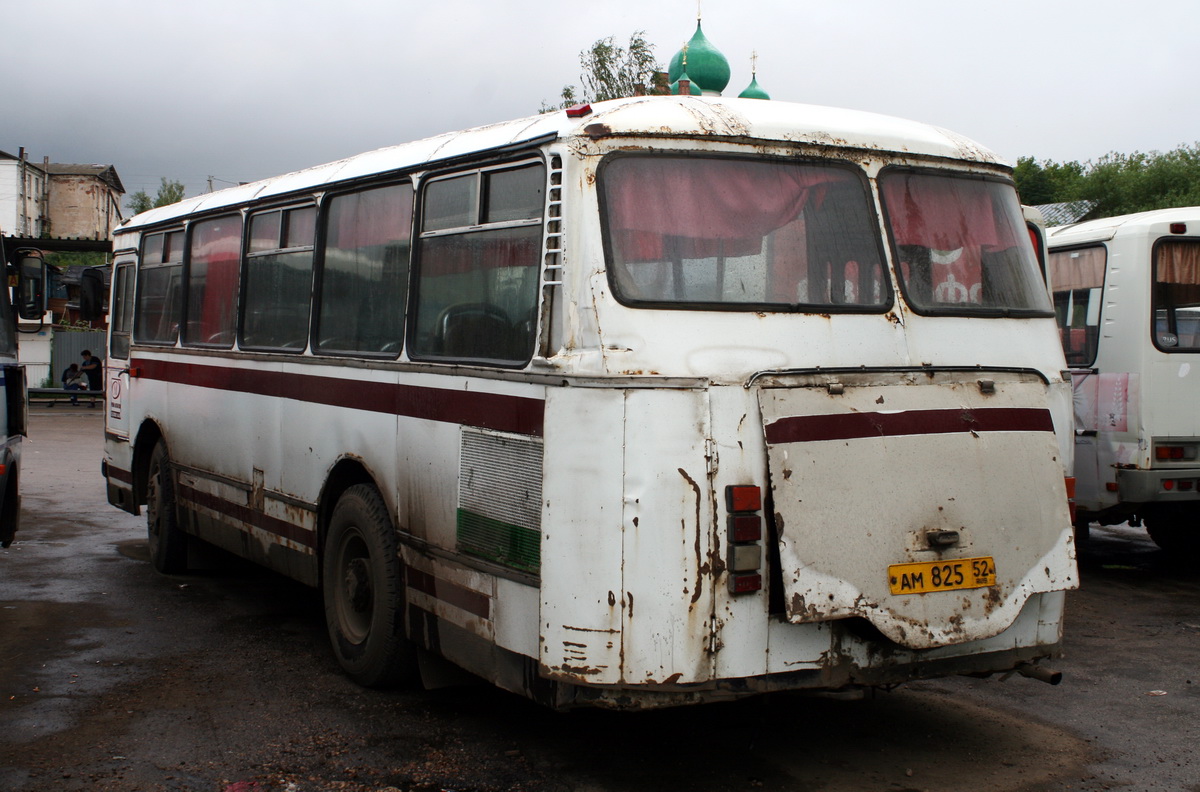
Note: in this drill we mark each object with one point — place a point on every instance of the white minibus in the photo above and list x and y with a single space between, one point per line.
1127 296
641 403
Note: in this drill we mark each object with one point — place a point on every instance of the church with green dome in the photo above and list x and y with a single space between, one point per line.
705 70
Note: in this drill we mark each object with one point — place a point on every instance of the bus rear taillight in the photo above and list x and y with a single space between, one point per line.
1175 453
744 532
1070 481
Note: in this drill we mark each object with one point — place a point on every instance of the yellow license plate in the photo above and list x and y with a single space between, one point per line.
927 576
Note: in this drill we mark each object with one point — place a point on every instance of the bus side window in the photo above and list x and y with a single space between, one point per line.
478 273
364 272
278 292
1176 296
214 253
159 292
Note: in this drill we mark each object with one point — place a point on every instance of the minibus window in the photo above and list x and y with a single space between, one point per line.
961 245
1076 279
1177 295
739 234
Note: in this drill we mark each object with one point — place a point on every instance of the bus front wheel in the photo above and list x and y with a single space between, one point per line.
168 544
363 592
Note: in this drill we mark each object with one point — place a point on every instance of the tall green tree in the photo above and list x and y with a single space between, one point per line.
169 192
611 71
1117 183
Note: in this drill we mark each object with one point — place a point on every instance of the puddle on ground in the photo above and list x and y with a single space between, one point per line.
137 549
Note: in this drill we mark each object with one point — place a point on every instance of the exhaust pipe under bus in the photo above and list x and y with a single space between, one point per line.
1047 675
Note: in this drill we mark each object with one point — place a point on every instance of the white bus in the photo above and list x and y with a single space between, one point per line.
649 402
1127 295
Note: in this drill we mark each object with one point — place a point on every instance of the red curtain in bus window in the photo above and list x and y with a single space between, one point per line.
460 253
374 217
953 218
659 208
216 252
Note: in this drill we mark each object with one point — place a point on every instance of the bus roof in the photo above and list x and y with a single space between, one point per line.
658 116
1105 228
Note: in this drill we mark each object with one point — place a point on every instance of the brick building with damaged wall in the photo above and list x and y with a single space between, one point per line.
57 200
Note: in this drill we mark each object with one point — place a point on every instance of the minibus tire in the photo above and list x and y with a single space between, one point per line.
168 544
1175 529
363 591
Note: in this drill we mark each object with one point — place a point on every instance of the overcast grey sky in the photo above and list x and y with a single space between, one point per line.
240 90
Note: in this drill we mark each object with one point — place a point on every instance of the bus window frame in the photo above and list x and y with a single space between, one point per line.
888 292
185 310
1094 346
123 309
296 203
420 235
1172 319
1037 286
139 288
319 256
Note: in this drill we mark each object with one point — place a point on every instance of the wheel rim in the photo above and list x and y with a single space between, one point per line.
355 589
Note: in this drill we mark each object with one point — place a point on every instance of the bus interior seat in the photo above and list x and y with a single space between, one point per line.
477 330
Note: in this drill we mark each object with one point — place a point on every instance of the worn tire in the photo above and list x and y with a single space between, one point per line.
363 591
1176 529
168 543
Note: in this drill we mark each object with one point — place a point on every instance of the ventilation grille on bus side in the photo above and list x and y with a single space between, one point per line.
500 498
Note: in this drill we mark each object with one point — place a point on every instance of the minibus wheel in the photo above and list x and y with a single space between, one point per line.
168 544
363 591
1175 528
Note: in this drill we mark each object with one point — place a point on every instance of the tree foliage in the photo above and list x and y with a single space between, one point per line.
1117 183
169 192
612 72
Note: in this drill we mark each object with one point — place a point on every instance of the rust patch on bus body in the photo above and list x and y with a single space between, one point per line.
683 525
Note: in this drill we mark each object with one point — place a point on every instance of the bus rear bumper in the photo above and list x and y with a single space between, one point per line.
1161 485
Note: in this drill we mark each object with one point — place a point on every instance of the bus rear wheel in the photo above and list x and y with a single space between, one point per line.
1176 529
363 591
168 543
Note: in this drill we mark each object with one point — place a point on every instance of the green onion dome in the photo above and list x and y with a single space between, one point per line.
705 64
753 91
695 89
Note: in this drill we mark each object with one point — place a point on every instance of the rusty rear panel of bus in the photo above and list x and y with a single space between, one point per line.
930 503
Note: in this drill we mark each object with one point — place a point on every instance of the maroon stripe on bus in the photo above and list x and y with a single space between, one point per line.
516 414
460 597
119 475
850 426
248 516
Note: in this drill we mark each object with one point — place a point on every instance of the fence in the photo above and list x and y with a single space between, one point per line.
68 345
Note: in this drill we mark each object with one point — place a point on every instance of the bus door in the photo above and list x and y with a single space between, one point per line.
929 503
117 371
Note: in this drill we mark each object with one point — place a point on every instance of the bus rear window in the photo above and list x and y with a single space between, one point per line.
961 246
731 234
1177 295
